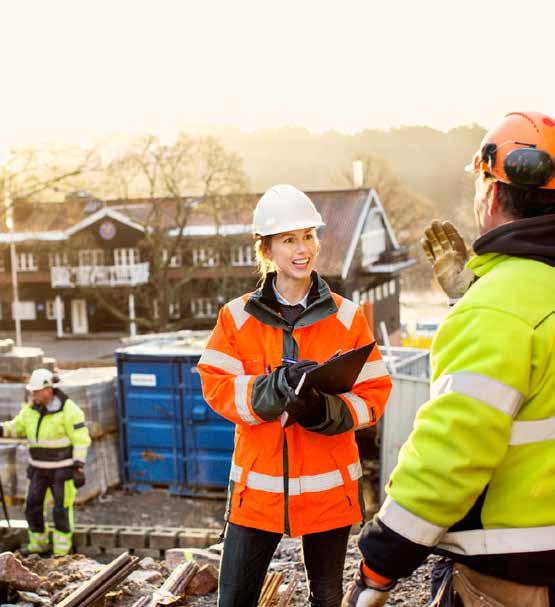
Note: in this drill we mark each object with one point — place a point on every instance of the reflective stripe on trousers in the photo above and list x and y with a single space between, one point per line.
297 485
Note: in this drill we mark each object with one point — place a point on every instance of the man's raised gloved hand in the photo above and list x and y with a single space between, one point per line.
364 592
447 252
295 371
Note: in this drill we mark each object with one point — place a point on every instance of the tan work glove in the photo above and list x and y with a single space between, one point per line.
446 251
363 593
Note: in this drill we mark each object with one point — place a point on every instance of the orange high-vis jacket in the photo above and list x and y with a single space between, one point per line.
292 480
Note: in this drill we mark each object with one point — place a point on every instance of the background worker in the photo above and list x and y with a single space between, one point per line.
58 440
302 479
475 481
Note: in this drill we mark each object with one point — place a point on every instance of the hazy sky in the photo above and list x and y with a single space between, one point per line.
76 69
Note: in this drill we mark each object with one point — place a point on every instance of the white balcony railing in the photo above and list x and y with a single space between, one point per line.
101 276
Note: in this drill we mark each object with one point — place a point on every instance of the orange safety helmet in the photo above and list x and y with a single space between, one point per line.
519 151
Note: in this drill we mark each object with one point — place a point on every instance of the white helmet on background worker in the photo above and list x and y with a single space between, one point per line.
41 378
284 208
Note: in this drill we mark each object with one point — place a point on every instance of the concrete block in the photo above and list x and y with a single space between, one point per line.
135 538
81 536
163 538
105 536
195 538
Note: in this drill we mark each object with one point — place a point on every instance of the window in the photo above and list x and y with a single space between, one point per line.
203 307
385 288
175 261
205 257
378 291
242 255
91 257
126 257
392 287
371 295
58 259
175 310
26 310
26 262
51 309
356 297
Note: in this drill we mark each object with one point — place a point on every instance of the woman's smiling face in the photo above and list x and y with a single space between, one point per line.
294 253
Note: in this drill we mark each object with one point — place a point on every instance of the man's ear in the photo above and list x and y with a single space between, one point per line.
493 199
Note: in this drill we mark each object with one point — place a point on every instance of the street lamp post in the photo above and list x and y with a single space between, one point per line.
13 255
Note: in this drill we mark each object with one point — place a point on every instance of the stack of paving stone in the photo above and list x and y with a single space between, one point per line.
8 469
16 363
94 390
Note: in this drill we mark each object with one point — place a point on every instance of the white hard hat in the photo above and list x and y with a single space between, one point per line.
40 378
284 208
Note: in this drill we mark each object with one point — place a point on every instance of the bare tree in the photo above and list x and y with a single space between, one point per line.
33 174
190 176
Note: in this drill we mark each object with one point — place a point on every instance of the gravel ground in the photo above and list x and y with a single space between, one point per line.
409 592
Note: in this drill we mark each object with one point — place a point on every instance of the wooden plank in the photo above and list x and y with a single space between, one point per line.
111 582
77 597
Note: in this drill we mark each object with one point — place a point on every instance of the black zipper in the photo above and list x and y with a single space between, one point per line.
286 527
42 414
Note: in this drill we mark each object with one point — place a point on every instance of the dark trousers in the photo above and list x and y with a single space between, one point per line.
247 554
39 482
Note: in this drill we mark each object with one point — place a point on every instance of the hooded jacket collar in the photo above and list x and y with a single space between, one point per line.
532 238
264 306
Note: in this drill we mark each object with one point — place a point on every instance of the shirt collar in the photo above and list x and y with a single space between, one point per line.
282 300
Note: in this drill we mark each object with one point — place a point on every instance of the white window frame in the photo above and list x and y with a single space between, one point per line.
176 260
242 255
91 258
205 256
51 309
126 257
27 310
174 310
57 259
204 307
26 261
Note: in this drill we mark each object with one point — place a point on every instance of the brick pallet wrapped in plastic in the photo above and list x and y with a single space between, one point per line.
7 469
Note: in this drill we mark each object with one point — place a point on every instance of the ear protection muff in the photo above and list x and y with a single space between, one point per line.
528 167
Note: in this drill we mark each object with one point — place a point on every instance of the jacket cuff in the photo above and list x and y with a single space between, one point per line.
389 554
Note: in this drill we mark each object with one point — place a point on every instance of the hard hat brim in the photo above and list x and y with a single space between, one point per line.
289 228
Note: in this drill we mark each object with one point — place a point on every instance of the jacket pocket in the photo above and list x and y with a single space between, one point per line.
347 461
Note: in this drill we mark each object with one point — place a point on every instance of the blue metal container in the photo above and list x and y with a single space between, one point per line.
169 436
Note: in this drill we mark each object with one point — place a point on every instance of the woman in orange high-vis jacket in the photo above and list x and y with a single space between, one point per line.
301 479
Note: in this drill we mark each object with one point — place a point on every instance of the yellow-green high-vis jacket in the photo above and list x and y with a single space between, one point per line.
476 478
57 435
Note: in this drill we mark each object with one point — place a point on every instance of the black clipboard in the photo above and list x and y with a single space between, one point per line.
335 376
339 373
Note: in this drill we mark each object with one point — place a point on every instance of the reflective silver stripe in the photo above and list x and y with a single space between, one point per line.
59 442
297 485
361 410
9 430
237 309
40 464
500 541
480 387
80 453
241 394
222 361
372 370
346 313
409 525
533 431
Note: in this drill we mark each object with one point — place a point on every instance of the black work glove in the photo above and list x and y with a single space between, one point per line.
78 474
295 371
308 410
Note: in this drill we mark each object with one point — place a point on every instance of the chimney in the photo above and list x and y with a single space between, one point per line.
358 174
